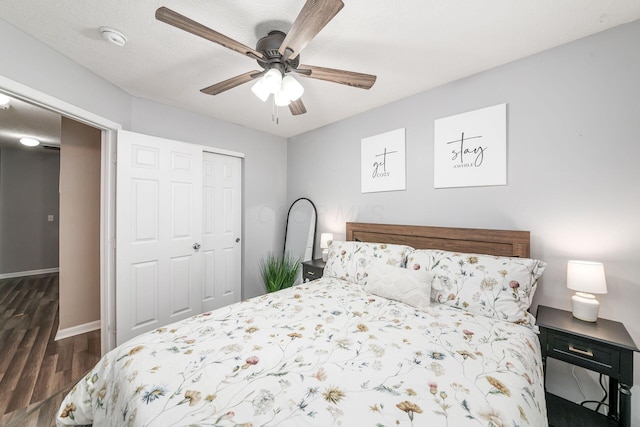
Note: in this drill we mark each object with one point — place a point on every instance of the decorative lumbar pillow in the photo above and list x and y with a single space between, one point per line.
412 287
349 260
492 286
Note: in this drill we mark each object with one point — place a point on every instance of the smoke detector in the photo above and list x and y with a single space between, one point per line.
5 102
113 36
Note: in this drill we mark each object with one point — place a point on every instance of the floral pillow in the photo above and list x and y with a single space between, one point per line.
492 286
349 260
412 287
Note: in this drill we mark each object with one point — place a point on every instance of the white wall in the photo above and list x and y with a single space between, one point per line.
30 62
573 173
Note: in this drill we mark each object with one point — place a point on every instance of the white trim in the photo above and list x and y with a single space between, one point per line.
107 196
77 330
41 99
29 273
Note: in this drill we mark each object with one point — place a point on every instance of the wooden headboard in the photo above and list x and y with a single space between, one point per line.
470 240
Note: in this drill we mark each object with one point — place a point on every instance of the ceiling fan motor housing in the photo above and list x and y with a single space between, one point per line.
268 46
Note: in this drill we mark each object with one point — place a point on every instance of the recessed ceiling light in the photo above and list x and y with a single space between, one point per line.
29 142
4 101
113 36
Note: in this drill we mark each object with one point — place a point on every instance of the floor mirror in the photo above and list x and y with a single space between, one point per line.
300 232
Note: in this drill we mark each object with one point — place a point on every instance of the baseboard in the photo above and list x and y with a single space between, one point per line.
77 330
29 273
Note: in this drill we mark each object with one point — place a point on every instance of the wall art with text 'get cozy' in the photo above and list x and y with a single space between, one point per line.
383 166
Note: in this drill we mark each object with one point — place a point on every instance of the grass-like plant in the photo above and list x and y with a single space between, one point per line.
279 272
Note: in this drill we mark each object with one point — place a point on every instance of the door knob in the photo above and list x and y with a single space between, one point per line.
196 246
237 239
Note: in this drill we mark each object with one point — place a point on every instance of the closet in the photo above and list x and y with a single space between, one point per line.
178 231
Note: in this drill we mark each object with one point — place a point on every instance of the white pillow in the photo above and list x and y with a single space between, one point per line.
350 260
412 287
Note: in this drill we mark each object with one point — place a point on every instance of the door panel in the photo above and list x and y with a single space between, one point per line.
222 239
158 211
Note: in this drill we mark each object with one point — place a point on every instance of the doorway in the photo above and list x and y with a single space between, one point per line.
107 131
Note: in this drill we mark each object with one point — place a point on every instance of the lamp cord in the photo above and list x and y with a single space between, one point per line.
600 402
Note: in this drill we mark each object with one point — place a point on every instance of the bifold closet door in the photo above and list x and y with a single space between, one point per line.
222 230
158 233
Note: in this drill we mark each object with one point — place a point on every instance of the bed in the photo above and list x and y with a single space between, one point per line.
409 326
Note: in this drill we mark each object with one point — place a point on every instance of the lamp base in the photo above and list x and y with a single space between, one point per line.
325 254
585 307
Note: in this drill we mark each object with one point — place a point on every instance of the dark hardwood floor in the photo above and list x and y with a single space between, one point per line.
36 370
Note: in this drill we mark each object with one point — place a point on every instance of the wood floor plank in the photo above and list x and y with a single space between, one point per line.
27 382
44 383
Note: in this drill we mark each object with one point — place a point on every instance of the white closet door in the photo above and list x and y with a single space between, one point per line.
159 220
222 239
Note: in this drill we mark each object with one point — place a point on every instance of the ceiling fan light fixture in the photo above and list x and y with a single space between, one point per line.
292 88
29 142
260 90
281 99
272 80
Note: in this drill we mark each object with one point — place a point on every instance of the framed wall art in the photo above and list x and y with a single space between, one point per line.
470 149
383 165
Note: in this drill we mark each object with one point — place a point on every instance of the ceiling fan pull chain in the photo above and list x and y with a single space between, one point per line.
274 112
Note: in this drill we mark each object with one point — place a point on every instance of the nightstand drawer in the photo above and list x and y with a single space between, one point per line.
584 353
311 274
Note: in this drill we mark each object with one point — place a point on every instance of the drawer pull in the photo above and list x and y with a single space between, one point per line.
311 273
580 351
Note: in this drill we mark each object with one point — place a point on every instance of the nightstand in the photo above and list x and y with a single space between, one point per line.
604 347
312 270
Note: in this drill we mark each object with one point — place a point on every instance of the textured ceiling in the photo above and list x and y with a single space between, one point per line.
411 45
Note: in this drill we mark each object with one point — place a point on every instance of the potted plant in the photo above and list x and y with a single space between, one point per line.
279 272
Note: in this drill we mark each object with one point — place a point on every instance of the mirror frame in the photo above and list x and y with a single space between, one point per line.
315 226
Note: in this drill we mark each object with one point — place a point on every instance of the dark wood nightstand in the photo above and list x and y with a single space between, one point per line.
603 346
312 270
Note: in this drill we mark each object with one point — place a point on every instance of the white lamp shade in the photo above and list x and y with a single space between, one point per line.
325 240
4 99
292 88
587 277
260 90
272 80
281 99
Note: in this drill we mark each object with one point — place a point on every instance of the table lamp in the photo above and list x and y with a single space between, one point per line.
586 278
325 241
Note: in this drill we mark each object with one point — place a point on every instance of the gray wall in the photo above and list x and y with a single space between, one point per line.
27 61
28 194
573 174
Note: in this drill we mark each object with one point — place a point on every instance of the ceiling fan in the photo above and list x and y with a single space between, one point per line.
278 54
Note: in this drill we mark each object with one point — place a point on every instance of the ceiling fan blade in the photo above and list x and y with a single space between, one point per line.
349 78
297 107
171 17
230 83
315 14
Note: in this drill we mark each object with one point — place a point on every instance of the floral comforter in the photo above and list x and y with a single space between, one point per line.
319 354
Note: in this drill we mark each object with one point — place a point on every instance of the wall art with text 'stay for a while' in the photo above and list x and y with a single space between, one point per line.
383 166
470 149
